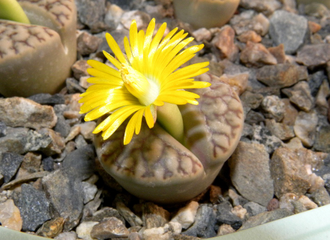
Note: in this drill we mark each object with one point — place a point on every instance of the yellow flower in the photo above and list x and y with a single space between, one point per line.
147 76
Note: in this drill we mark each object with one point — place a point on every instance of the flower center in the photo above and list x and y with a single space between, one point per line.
138 85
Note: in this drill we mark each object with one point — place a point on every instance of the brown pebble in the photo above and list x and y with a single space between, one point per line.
249 35
278 53
224 41
109 228
215 192
256 55
238 82
52 228
79 68
225 229
273 204
314 27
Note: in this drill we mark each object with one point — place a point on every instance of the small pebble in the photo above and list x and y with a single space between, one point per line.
84 230
10 216
186 215
109 228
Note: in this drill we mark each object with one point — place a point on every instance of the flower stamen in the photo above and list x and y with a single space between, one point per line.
138 85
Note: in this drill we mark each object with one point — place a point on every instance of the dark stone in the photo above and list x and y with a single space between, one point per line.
254 208
154 216
263 136
324 171
247 130
266 217
103 213
48 99
22 140
34 207
315 81
62 126
230 68
124 4
253 117
91 12
321 197
250 175
300 95
225 216
282 75
80 163
204 223
251 100
9 164
65 195
73 86
326 177
1 182
48 164
289 29
3 130
314 55
322 140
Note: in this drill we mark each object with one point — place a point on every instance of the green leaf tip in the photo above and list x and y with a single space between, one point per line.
11 10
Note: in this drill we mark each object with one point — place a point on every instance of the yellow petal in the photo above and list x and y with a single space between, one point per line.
139 121
96 99
155 41
99 73
172 52
188 72
111 123
149 118
103 67
115 48
180 59
132 125
104 109
172 99
147 42
128 50
113 82
114 61
133 38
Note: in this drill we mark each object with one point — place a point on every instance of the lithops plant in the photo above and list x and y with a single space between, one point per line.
178 151
324 2
205 13
37 57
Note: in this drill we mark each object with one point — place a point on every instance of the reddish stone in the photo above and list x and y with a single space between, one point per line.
224 41
278 53
273 204
313 27
249 36
257 55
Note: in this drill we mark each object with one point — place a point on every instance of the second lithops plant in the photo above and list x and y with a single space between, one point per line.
205 13
324 2
153 148
37 57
